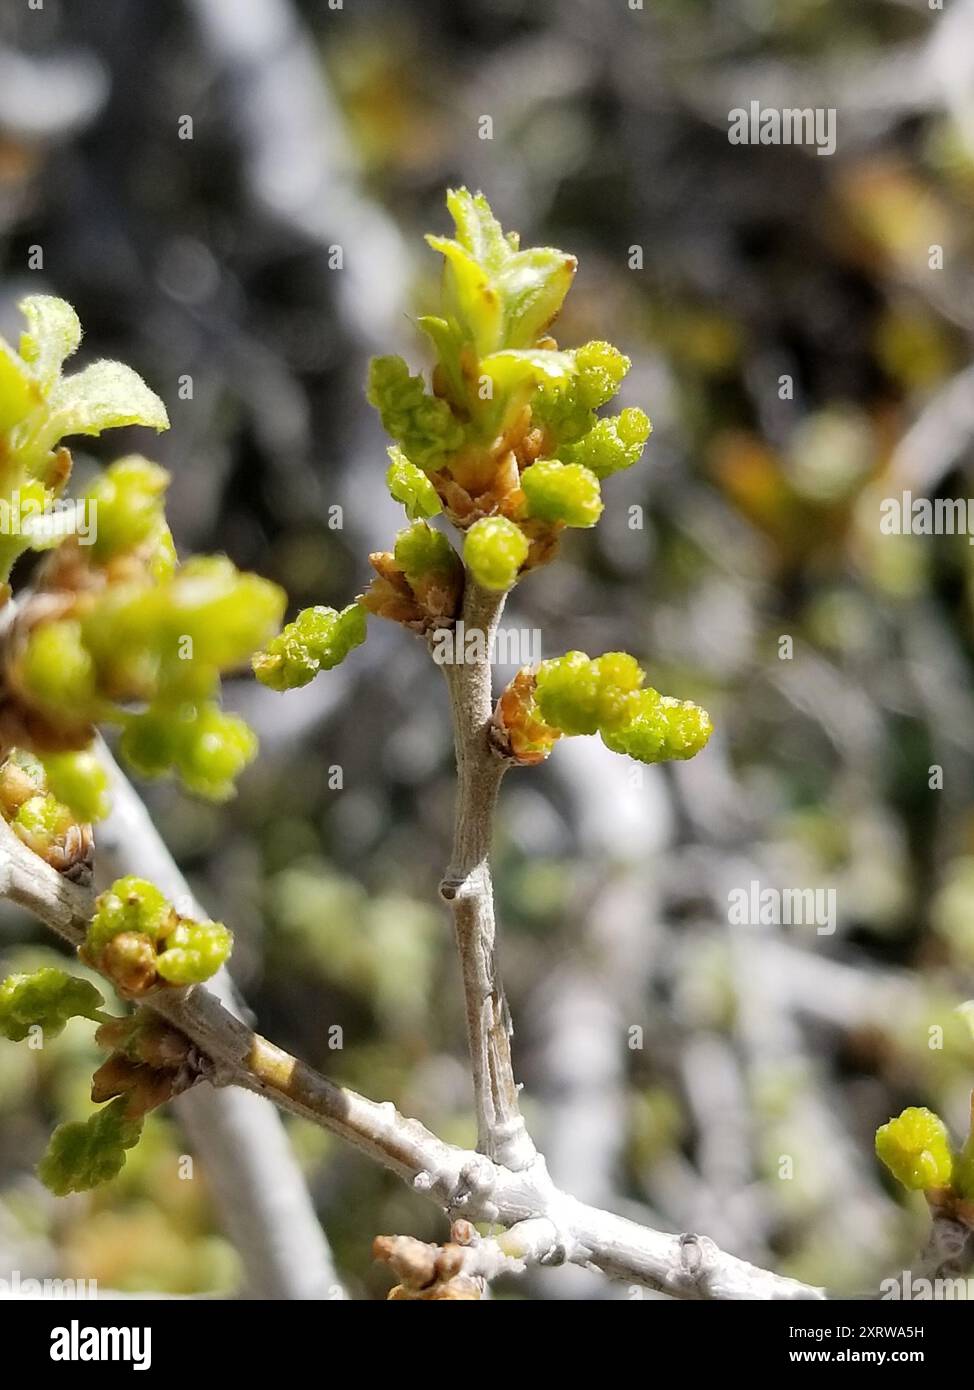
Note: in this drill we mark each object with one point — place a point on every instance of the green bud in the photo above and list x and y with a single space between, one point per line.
161 643
194 952
420 551
564 492
130 905
567 693
48 998
57 669
494 550
212 749
81 782
81 1156
137 937
410 486
567 408
578 696
40 822
612 444
318 639
617 676
601 370
150 742
206 747
128 503
657 728
916 1149
226 613
421 423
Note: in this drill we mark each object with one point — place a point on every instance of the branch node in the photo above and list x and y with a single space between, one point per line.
450 888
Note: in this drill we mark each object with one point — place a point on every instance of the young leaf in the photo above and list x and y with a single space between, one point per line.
478 230
53 334
410 486
106 395
318 639
82 1155
48 998
532 287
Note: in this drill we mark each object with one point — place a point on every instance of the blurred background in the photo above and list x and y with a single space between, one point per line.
693 1074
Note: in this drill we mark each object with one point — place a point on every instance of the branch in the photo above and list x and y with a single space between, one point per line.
464 1184
297 155
466 886
260 1192
949 1253
463 1268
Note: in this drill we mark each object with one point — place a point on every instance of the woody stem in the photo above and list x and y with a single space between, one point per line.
466 886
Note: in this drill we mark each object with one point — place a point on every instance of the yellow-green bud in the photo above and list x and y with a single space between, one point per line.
916 1149
565 492
410 486
494 550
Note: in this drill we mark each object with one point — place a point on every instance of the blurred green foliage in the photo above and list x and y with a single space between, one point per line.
759 522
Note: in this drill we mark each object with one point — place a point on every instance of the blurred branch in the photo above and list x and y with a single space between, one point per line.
463 1183
297 154
937 440
259 1189
587 1003
49 97
950 1250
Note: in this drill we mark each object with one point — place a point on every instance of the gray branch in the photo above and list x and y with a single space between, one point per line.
467 888
463 1183
260 1192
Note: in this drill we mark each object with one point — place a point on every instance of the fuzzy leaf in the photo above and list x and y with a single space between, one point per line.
48 998
470 300
53 334
106 395
81 1156
532 287
478 230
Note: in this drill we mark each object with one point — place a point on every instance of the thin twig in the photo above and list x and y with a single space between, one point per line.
463 1183
261 1195
466 886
